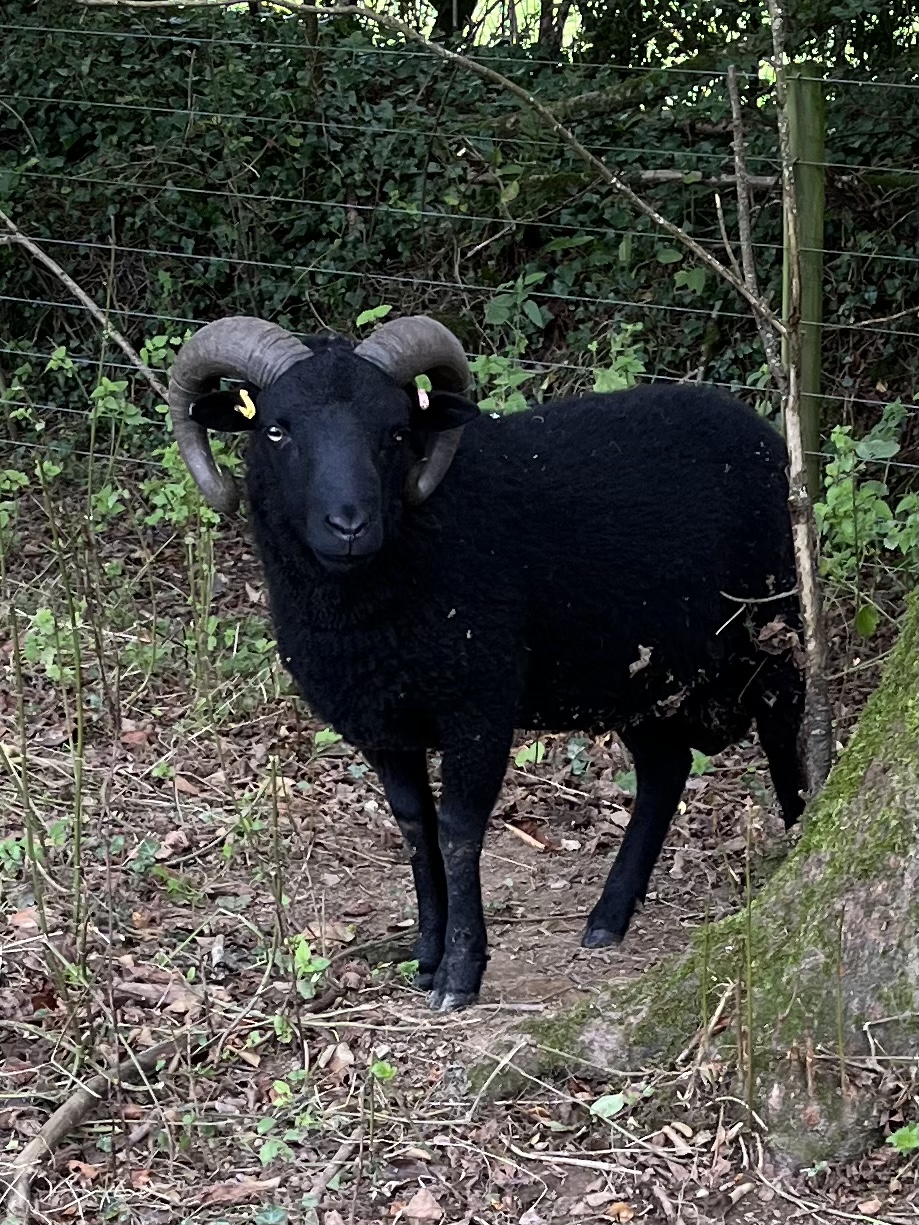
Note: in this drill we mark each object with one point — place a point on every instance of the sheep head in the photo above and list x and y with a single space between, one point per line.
342 407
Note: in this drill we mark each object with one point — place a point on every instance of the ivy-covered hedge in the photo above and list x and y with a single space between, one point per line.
235 168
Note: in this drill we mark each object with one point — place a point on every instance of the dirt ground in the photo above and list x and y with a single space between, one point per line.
224 873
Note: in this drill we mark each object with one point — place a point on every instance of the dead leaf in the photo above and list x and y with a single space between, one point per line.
133 740
598 1199
175 840
336 1058
661 1196
224 1193
25 921
644 655
333 1217
86 1172
676 1140
423 1208
54 738
869 1207
255 594
357 910
185 787
620 1211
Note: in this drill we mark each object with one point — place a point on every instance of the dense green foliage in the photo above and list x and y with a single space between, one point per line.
234 177
183 165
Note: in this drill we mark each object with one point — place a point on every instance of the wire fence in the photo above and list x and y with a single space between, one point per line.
42 317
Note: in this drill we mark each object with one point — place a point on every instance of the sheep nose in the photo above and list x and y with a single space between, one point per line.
348 526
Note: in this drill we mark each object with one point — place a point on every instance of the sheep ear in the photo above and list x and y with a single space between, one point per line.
228 412
444 411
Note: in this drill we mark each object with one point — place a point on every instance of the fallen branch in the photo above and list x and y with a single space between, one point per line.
70 1115
16 236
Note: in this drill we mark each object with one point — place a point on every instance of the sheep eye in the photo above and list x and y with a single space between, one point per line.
398 435
275 433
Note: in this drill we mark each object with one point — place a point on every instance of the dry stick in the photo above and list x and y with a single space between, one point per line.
704 1033
745 231
342 1153
761 308
818 723
70 1115
16 236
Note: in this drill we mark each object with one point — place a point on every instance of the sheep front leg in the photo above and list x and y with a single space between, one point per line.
473 769
404 776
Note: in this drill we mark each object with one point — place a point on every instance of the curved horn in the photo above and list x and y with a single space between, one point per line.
404 348
239 347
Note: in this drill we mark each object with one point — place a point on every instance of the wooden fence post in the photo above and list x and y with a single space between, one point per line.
806 127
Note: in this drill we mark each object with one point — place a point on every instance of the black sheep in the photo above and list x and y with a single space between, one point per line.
615 562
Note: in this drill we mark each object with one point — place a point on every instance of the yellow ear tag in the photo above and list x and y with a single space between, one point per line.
246 404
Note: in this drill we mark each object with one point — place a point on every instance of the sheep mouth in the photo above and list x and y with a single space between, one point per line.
343 563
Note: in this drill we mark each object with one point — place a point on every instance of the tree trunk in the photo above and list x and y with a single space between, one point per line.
825 961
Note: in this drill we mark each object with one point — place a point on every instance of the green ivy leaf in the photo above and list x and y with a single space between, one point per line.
532 312
368 316
324 737
608 1106
530 754
905 1139
866 620
668 255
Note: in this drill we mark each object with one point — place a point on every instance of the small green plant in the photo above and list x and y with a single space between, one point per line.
624 360
371 315
11 855
308 968
173 494
530 754
324 739
701 764
502 376
858 526
905 1139
49 645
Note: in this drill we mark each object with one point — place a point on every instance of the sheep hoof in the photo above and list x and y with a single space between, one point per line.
424 980
599 937
451 1001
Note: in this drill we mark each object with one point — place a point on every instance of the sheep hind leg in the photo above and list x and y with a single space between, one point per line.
661 767
778 708
404 776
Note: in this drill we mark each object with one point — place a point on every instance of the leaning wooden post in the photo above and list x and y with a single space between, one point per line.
818 719
806 127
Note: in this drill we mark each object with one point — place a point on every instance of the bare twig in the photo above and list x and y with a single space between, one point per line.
342 1153
869 323
70 1115
763 599
761 309
745 230
16 235
704 1033
496 1071
725 239
818 723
